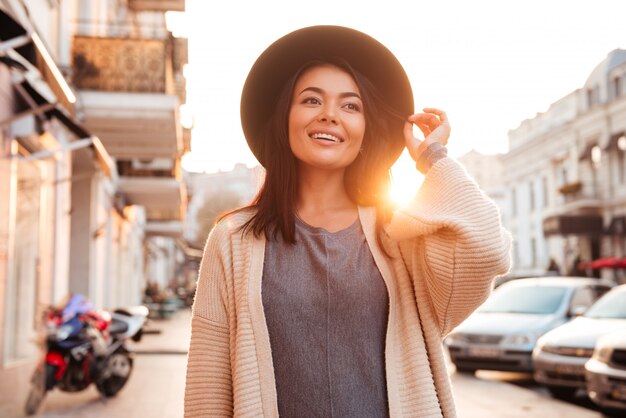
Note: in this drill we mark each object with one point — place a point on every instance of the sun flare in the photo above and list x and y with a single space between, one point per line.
406 180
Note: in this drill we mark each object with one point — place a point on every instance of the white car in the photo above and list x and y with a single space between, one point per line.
605 372
502 333
560 355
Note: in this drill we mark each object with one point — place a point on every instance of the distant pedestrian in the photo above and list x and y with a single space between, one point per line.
553 268
319 299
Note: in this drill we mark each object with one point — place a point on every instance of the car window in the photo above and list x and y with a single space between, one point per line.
611 305
583 296
524 299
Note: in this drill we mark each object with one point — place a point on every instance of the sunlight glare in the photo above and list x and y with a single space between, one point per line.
406 180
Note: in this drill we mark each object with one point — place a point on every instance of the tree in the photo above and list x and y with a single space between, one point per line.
213 206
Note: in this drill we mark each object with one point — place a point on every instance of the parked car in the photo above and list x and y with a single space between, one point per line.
560 356
605 372
502 333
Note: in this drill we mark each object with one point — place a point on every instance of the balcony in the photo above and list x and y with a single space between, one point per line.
571 188
131 90
579 196
163 198
157 5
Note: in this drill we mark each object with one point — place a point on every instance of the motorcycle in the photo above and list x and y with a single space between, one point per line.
83 346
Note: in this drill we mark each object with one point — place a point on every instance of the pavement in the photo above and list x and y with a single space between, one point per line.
156 388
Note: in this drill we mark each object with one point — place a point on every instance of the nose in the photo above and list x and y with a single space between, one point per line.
328 115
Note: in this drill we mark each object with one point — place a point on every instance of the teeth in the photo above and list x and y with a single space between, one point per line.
327 137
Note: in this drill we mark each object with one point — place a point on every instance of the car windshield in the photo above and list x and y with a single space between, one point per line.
611 305
524 299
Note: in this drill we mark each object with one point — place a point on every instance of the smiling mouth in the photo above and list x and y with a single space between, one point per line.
326 137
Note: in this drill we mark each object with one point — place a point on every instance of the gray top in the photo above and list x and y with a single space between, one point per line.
326 307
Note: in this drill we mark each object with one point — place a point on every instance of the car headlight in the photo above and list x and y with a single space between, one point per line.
539 346
602 354
521 339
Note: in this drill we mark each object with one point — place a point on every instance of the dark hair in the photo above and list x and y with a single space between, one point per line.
367 179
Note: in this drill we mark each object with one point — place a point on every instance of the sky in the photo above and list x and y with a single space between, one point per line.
488 64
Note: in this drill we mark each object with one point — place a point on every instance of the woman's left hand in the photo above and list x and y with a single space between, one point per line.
434 125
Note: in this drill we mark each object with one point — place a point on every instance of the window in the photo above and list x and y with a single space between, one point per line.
617 87
593 96
564 179
582 297
531 192
533 252
20 318
621 150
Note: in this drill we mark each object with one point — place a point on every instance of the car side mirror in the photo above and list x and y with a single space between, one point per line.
577 310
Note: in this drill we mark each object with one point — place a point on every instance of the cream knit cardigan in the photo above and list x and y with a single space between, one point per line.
445 248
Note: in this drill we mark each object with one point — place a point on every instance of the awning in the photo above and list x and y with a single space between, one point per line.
617 226
41 85
604 263
14 35
573 225
18 36
35 92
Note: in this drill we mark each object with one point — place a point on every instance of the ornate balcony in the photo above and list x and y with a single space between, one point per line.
123 65
571 188
157 5
578 195
130 91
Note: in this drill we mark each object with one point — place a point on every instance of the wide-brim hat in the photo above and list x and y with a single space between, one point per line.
288 54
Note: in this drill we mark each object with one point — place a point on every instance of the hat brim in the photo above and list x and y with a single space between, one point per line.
288 54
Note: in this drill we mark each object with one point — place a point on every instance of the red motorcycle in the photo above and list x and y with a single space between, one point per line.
83 347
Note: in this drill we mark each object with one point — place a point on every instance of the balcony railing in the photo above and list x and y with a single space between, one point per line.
129 65
571 188
157 5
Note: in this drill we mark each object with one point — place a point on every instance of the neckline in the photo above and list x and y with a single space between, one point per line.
323 231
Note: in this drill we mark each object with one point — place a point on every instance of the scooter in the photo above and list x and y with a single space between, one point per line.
84 346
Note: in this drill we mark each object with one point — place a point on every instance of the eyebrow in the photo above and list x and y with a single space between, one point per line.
342 95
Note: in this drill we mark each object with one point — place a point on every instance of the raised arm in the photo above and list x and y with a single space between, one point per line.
452 242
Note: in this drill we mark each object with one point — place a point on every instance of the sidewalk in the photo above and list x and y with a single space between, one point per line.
156 388
480 398
166 336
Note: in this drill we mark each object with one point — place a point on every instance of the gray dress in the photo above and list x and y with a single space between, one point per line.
326 307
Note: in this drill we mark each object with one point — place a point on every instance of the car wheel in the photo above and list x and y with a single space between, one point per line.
560 392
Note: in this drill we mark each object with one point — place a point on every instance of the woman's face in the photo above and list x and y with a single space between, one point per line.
326 119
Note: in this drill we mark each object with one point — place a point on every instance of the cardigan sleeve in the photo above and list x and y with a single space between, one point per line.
208 388
451 239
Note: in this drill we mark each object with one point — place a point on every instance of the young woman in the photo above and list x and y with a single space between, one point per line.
319 300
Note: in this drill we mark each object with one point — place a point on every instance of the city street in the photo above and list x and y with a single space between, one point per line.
157 386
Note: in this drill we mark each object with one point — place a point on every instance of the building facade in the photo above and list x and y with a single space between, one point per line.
89 171
565 171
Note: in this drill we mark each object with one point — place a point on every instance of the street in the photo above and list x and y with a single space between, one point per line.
156 387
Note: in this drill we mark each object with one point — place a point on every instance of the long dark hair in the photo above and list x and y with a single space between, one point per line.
367 179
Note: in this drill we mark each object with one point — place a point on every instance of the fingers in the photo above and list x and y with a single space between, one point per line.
443 117
433 123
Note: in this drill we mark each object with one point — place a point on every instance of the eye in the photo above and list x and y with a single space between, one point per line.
352 106
311 100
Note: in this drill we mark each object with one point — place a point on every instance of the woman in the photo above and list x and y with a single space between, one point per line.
317 299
